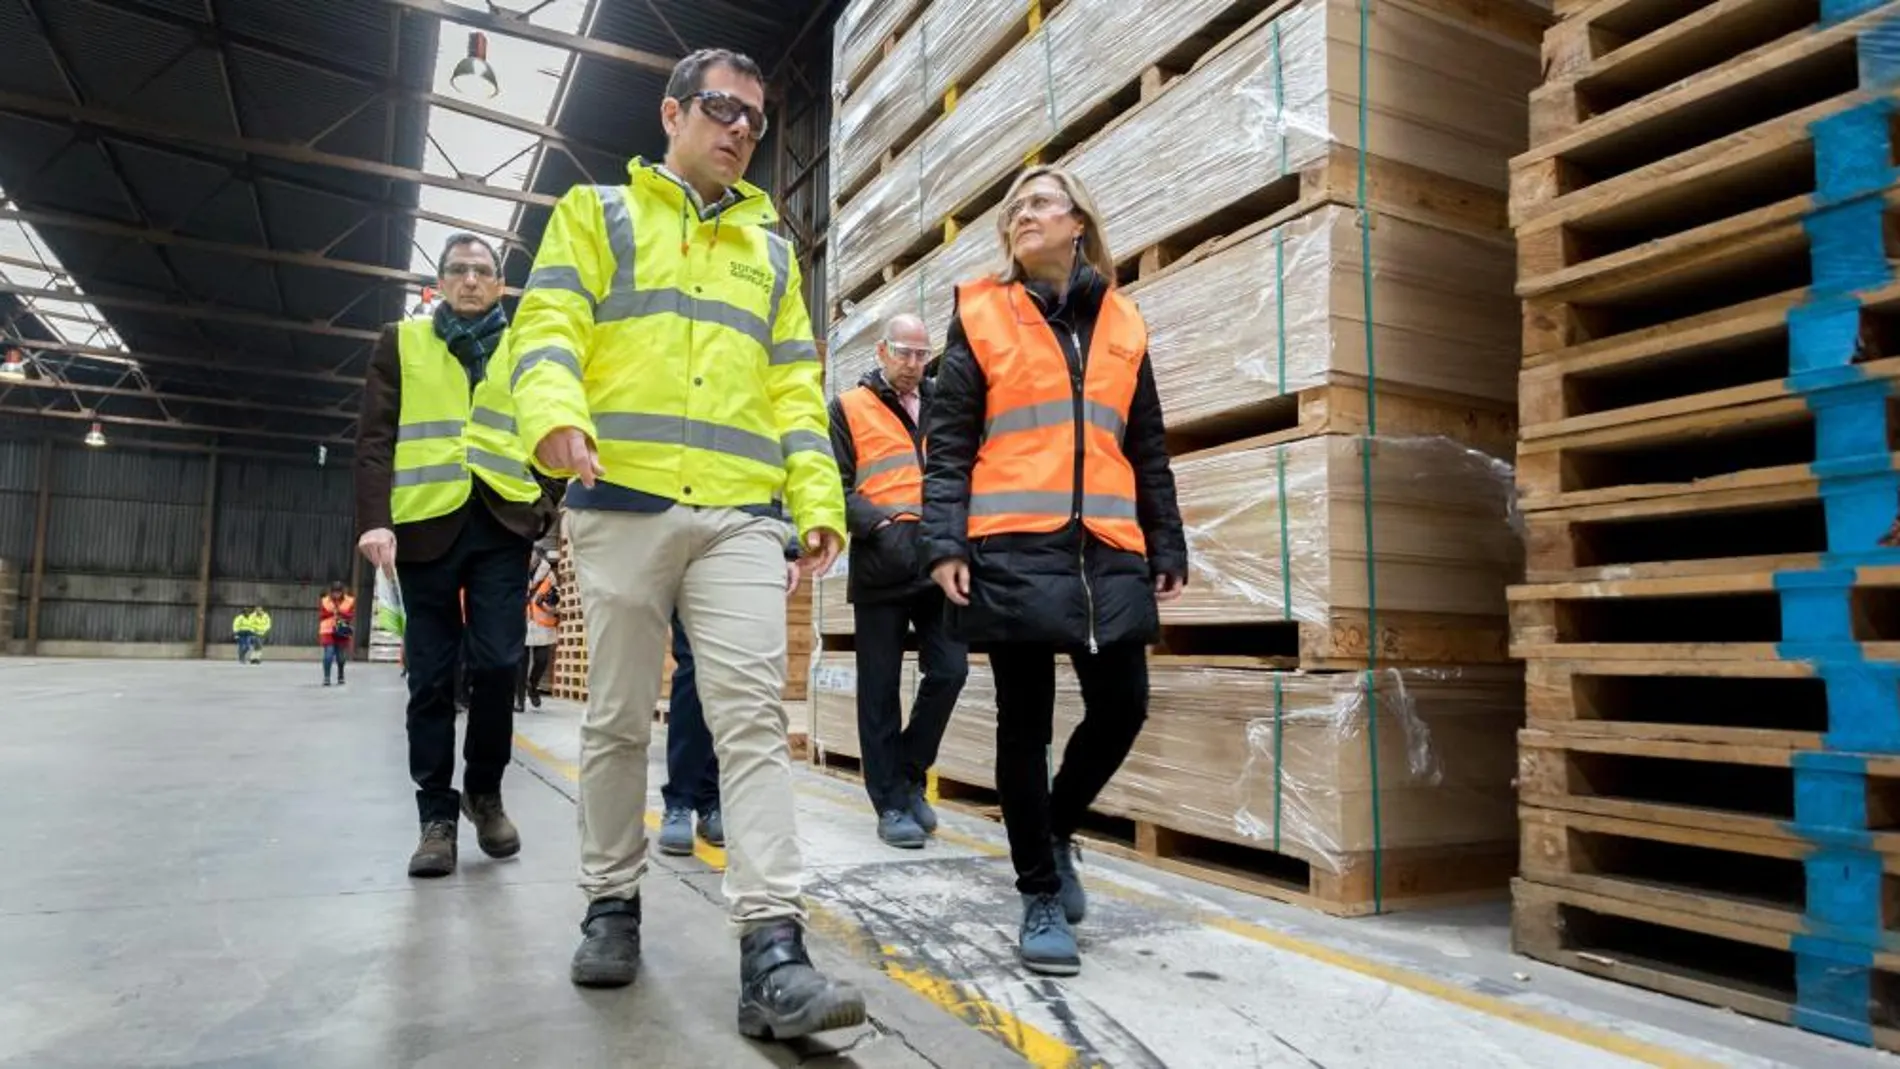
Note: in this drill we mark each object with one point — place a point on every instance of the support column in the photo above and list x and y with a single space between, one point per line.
42 518
204 554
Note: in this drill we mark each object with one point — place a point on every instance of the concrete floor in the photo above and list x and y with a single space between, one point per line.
204 867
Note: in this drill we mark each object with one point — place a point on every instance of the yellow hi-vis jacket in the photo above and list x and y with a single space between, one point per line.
443 433
681 346
257 623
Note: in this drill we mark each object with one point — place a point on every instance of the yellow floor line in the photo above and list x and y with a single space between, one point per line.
1043 1050
1040 1049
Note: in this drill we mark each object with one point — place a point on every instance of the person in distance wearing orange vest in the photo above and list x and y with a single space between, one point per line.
876 433
1051 525
336 630
544 625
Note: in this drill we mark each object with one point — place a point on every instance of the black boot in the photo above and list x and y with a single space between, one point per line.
781 996
609 953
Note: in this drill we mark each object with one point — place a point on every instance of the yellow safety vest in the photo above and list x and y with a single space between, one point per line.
443 435
681 345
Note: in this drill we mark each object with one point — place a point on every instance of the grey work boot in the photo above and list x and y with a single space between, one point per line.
435 853
922 813
781 996
1047 946
609 954
494 832
1075 904
676 832
898 828
712 828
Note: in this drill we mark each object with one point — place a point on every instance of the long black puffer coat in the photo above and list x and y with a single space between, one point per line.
1067 588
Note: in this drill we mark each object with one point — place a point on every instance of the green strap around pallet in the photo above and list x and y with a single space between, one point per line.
1365 461
1286 550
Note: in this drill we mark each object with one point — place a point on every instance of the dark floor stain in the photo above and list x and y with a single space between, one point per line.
1199 974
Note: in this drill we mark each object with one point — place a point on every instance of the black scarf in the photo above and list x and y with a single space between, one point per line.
472 341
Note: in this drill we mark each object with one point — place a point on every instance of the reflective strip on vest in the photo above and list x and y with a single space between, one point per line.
695 434
544 355
434 473
1050 503
889 475
896 463
421 432
493 420
559 278
1054 414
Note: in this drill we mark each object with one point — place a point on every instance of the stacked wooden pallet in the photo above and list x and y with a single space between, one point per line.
9 599
1708 473
1310 204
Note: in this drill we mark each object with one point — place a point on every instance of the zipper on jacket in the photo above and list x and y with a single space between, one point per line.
1076 372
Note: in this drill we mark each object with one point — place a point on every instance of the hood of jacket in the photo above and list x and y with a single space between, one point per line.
752 206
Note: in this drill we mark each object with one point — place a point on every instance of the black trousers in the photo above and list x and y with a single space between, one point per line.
897 755
490 563
534 668
1114 702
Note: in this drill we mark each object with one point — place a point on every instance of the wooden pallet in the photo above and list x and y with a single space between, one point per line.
1716 70
1768 615
1343 406
1768 431
1341 642
1700 955
1776 883
1763 791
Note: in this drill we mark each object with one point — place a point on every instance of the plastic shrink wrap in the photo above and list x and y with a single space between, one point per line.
863 27
1280 97
1277 760
950 40
1279 532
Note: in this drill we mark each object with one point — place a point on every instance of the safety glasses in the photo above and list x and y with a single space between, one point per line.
907 352
726 109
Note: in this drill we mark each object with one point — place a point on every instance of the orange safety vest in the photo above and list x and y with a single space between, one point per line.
537 612
890 465
326 622
1027 469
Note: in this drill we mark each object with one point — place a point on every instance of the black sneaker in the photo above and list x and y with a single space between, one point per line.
609 953
781 996
435 853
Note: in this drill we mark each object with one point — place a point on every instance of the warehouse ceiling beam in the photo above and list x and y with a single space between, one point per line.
134 358
154 236
144 131
174 425
65 385
512 24
193 311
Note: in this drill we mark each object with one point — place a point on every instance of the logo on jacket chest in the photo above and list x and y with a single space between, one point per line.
758 276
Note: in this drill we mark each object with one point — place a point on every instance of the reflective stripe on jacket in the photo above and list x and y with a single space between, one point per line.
890 472
681 345
444 435
1052 441
539 614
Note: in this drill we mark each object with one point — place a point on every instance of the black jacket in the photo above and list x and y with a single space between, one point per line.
1067 588
885 564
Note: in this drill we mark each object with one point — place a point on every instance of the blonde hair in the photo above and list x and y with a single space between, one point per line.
1094 242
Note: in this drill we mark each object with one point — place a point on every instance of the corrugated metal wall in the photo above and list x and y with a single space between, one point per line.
126 532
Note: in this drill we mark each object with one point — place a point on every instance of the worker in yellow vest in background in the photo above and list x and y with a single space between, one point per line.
250 629
664 359
447 503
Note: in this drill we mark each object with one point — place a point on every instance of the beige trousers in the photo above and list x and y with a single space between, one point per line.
725 572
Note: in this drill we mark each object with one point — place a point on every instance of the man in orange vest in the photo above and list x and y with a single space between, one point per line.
544 624
336 630
876 433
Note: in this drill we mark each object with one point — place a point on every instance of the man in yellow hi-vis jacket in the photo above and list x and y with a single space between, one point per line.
663 358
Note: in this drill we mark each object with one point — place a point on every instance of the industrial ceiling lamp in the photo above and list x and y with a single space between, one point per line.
96 437
473 76
14 366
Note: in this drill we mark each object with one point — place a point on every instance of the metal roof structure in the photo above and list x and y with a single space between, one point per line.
208 208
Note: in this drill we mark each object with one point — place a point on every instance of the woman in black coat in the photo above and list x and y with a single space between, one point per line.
1083 575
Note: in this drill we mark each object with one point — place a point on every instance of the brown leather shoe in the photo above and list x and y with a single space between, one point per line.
493 830
435 854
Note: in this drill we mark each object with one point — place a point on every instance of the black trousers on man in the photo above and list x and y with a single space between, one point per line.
534 669
897 755
490 563
1115 703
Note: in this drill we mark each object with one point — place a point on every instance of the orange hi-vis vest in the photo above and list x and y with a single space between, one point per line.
537 612
1052 447
326 626
890 465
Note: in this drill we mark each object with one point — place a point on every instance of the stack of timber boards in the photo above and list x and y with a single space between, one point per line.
9 599
570 651
1711 620
1335 340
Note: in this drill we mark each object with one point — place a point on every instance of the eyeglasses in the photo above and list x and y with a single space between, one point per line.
726 109
1041 205
907 352
484 272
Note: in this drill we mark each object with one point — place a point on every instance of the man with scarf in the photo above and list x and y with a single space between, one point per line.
446 501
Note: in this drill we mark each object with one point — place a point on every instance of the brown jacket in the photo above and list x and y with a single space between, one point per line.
375 461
